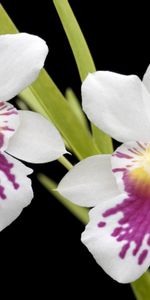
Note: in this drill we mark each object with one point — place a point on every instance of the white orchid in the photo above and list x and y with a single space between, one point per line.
118 185
23 134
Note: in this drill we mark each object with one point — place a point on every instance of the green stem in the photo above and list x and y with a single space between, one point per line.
80 213
65 162
141 287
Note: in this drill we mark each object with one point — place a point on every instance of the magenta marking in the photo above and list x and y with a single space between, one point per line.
10 109
135 151
3 105
6 167
122 155
136 214
141 146
142 256
5 110
13 112
134 224
115 170
2 194
148 241
124 249
1 139
116 231
101 224
5 128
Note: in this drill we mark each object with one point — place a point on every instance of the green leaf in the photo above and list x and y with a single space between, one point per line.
102 140
83 60
28 96
80 213
6 24
76 107
44 96
75 37
141 287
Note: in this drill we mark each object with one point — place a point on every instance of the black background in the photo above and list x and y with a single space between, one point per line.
41 251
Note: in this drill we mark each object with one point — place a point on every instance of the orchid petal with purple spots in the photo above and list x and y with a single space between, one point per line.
15 189
118 234
26 135
125 219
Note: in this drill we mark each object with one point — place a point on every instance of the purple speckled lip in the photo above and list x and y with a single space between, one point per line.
6 167
134 224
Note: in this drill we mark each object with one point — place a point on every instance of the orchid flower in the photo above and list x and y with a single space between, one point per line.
24 134
117 185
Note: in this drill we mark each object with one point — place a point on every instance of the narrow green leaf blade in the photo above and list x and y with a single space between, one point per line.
83 60
141 287
76 107
79 212
6 24
28 96
75 37
102 140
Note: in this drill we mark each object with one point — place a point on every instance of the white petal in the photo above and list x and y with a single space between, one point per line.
146 78
21 58
9 122
15 189
89 182
117 104
116 257
36 140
